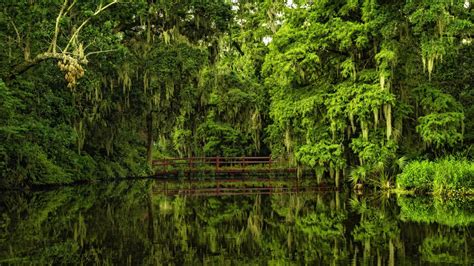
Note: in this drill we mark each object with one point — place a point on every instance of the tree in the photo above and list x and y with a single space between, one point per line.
344 74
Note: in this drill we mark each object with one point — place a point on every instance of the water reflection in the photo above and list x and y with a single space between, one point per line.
137 223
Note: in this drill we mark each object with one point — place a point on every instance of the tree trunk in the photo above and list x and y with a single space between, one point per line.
388 119
149 144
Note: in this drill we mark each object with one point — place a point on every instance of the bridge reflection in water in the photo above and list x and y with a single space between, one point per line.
237 186
224 176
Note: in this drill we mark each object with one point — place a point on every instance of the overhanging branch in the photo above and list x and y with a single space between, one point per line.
72 60
22 68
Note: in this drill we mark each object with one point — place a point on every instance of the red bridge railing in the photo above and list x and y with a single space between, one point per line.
217 162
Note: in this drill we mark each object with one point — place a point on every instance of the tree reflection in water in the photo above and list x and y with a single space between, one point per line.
131 223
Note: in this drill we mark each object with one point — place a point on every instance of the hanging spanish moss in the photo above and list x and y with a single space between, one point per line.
332 87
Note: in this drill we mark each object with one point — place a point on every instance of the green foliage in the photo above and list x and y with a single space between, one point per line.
181 139
93 127
332 86
418 175
452 174
441 129
441 176
364 95
222 140
321 154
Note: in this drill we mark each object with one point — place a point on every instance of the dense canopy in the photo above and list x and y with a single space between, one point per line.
348 88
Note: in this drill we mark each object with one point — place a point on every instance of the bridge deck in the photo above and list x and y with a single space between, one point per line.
220 165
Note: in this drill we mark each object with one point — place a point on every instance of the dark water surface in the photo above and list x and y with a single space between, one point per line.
152 223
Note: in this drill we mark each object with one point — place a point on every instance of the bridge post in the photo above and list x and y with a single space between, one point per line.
217 163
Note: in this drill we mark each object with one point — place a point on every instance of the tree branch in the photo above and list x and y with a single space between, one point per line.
23 67
52 47
100 52
52 52
70 7
76 33
18 37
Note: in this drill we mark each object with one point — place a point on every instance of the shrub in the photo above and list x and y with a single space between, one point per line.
418 175
453 174
448 174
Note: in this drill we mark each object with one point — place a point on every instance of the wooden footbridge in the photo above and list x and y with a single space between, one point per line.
220 165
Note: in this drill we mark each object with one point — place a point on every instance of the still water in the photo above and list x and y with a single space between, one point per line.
153 223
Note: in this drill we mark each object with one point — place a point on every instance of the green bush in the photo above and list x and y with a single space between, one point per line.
448 174
418 175
454 174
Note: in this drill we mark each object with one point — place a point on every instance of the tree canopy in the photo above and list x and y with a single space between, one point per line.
96 89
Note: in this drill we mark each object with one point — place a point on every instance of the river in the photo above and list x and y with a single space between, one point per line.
146 222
